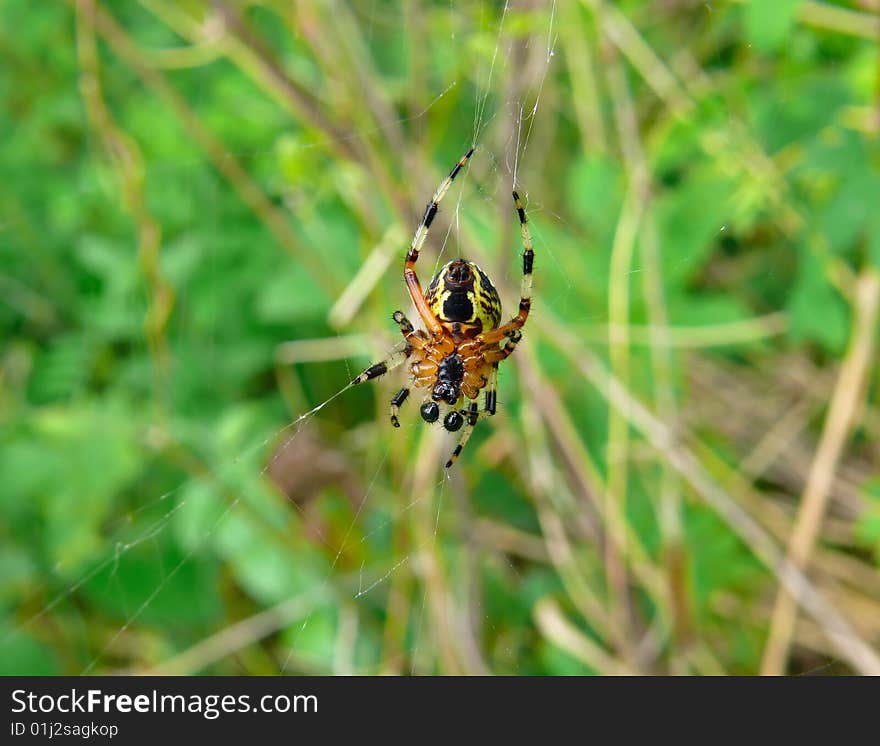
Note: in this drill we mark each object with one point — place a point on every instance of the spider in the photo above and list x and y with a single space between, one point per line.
457 355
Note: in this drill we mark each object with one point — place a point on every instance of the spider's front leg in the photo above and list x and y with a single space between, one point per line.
418 240
493 336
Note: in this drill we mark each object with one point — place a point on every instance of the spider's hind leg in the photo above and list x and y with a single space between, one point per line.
472 414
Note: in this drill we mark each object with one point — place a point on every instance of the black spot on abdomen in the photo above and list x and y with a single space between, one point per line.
457 306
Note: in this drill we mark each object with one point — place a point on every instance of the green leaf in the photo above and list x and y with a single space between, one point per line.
156 583
267 569
874 239
718 562
867 528
558 662
818 313
769 22
313 639
61 370
23 655
198 509
690 219
291 295
690 309
595 189
851 213
17 571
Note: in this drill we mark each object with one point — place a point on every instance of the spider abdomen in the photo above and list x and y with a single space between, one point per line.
463 299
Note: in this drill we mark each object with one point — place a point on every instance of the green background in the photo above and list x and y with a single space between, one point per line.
204 209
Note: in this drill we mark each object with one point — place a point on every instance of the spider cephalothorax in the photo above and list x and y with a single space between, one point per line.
450 372
457 355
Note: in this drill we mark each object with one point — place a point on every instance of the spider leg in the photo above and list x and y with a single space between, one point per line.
399 398
409 267
497 354
414 337
492 391
525 303
400 353
471 416
403 322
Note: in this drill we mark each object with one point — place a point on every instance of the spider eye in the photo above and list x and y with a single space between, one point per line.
453 421
430 411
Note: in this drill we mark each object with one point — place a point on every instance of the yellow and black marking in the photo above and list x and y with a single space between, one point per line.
511 343
461 293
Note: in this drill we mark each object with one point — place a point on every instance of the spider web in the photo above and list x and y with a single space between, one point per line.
295 613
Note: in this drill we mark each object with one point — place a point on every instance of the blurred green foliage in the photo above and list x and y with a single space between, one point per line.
143 396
